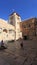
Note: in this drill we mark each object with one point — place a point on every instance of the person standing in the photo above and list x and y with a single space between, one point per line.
2 43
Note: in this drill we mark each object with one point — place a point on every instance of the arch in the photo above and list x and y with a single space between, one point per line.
5 30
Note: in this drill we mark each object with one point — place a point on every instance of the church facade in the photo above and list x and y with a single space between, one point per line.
15 28
11 29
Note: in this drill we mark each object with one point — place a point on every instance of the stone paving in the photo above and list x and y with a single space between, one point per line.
15 55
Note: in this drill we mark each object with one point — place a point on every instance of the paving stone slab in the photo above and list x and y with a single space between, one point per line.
3 62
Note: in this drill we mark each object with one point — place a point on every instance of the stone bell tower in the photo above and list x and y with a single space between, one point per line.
15 20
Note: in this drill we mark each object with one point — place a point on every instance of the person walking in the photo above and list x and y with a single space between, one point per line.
21 44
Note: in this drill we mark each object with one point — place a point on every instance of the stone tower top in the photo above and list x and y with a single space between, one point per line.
15 13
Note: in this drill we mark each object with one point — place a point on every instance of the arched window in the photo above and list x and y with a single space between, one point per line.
10 30
5 30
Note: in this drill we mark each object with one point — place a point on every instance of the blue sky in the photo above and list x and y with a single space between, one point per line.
25 8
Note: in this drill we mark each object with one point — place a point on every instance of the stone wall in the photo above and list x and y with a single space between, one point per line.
29 28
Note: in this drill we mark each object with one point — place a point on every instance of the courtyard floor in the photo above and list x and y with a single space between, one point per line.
15 55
